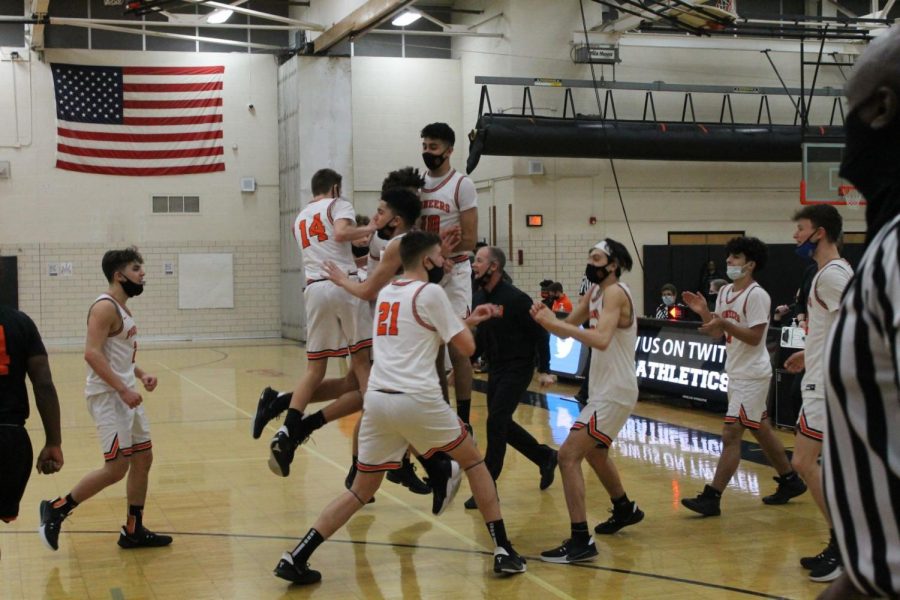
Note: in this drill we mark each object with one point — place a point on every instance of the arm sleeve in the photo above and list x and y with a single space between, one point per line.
830 287
341 209
433 307
758 306
35 345
466 198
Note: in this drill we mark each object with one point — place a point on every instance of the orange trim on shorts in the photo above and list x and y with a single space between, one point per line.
808 431
596 433
327 354
745 420
142 447
388 466
451 445
460 258
113 450
361 346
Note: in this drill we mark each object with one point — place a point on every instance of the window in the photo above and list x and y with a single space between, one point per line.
176 204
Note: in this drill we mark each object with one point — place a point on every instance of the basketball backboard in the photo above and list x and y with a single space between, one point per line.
821 183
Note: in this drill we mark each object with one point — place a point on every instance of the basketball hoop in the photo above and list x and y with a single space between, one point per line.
851 196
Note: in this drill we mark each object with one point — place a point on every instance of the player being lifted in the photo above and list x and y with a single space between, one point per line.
404 406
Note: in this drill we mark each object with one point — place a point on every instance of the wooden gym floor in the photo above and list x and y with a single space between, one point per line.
232 518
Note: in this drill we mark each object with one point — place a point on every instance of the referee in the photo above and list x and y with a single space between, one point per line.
510 343
860 469
22 352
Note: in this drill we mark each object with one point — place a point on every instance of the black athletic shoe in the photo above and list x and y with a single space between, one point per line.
829 568
281 453
406 476
266 410
508 561
51 523
444 485
143 538
286 569
470 503
570 552
787 489
706 503
548 470
619 519
811 562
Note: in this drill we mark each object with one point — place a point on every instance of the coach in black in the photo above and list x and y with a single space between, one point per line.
509 342
22 352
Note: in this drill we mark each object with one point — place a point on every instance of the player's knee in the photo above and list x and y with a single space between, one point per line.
732 433
568 457
116 470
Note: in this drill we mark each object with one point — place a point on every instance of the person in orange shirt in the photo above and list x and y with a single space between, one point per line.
561 302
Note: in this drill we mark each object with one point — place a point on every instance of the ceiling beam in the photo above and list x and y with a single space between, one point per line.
360 20
162 34
259 14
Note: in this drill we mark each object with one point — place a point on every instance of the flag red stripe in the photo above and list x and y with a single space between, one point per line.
203 103
138 138
145 121
172 70
140 171
140 154
172 87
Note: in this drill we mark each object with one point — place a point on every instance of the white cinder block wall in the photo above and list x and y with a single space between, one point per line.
49 215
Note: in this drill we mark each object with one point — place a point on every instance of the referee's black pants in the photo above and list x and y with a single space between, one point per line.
507 384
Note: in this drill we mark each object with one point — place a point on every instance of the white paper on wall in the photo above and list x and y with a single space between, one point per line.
205 281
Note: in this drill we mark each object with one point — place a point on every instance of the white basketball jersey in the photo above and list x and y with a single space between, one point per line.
613 376
377 246
119 349
821 309
747 308
412 320
443 198
314 232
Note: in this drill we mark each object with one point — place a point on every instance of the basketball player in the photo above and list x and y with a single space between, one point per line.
818 230
859 462
613 393
335 320
449 200
115 405
395 216
403 407
22 352
742 316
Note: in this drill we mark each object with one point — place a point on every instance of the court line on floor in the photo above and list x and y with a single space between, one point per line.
535 559
534 579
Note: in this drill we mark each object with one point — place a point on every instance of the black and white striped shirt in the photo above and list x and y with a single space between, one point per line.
861 460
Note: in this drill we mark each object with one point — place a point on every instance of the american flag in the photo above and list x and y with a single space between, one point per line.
139 121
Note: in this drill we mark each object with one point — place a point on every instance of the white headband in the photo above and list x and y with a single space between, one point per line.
602 247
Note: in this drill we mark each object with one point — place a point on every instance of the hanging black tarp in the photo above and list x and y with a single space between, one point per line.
586 137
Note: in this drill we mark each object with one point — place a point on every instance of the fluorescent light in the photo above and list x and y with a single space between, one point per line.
407 18
219 16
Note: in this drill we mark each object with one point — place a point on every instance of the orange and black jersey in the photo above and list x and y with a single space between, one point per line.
19 341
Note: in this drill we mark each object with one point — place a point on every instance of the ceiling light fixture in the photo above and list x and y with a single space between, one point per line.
406 18
219 15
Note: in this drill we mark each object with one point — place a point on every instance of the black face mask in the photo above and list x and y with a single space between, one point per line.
871 159
433 161
596 274
359 251
131 288
386 232
435 273
484 278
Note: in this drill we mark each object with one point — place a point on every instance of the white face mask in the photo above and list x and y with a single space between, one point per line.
734 272
668 300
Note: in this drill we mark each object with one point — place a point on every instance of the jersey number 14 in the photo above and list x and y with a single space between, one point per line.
316 230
